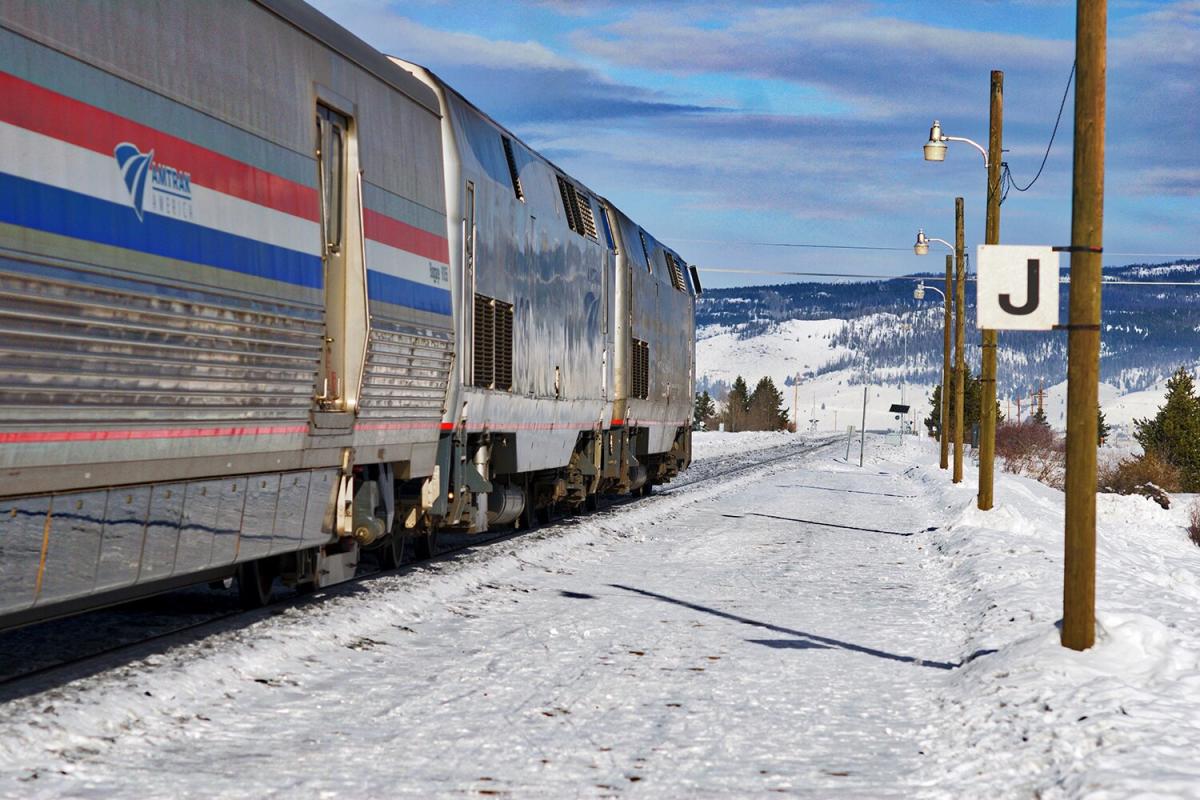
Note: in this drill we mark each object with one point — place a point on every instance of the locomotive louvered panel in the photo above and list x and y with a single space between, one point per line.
504 346
513 174
570 204
406 372
586 218
483 354
639 378
676 270
106 350
493 343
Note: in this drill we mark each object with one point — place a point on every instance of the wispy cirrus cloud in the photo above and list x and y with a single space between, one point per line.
714 119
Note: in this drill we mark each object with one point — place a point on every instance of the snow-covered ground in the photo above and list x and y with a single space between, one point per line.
803 627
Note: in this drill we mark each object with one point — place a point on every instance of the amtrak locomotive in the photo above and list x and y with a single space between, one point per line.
269 298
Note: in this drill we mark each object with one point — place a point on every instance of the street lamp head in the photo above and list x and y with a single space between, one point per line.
921 247
935 148
919 292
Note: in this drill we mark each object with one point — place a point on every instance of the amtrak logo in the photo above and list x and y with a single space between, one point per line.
152 186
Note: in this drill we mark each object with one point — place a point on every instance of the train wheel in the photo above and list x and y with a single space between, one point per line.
591 502
543 514
391 552
255 580
425 545
526 519
647 489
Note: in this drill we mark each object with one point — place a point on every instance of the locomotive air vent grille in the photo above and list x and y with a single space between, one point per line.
512 169
493 344
504 346
584 211
568 198
676 270
484 355
640 372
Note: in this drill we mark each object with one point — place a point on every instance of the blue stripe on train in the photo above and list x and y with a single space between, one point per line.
48 208
403 292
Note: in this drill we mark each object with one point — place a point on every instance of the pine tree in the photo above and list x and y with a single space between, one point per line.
933 423
972 403
1173 434
1102 428
766 407
737 405
704 410
1039 418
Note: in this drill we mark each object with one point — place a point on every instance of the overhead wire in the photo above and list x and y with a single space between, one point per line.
1006 177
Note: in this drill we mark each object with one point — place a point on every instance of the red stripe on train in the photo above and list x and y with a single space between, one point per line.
403 236
34 108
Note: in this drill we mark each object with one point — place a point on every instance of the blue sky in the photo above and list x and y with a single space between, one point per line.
716 124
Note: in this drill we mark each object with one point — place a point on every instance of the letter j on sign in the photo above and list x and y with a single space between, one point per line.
1017 287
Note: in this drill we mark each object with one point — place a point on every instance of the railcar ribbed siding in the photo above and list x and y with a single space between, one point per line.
74 351
406 373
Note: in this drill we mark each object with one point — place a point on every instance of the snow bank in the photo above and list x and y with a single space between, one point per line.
713 444
1119 720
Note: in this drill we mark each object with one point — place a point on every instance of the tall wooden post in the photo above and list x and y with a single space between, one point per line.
987 377
960 310
944 436
1083 339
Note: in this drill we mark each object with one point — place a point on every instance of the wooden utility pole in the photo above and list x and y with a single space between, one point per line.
987 377
945 429
1083 338
796 402
862 441
960 310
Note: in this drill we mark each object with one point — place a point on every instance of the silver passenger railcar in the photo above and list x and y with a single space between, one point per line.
240 337
222 277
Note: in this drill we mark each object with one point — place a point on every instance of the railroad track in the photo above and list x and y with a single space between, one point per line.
55 671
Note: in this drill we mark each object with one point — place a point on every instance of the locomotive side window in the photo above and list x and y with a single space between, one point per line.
331 150
645 249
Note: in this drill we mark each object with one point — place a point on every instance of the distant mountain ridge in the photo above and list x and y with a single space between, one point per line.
887 335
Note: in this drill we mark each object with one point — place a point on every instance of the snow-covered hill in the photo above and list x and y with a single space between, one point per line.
832 339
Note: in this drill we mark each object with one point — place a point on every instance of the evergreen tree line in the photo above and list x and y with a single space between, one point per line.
1173 434
972 408
745 410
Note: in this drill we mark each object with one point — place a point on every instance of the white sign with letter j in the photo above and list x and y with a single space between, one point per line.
1017 287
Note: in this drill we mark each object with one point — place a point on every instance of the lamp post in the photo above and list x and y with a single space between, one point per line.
935 150
944 411
921 247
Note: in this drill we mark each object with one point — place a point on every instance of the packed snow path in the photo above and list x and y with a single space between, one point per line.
798 627
702 642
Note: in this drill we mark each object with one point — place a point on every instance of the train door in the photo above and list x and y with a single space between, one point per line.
347 319
331 156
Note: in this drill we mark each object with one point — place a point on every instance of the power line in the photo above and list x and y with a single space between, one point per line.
735 243
1064 280
1007 177
791 244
